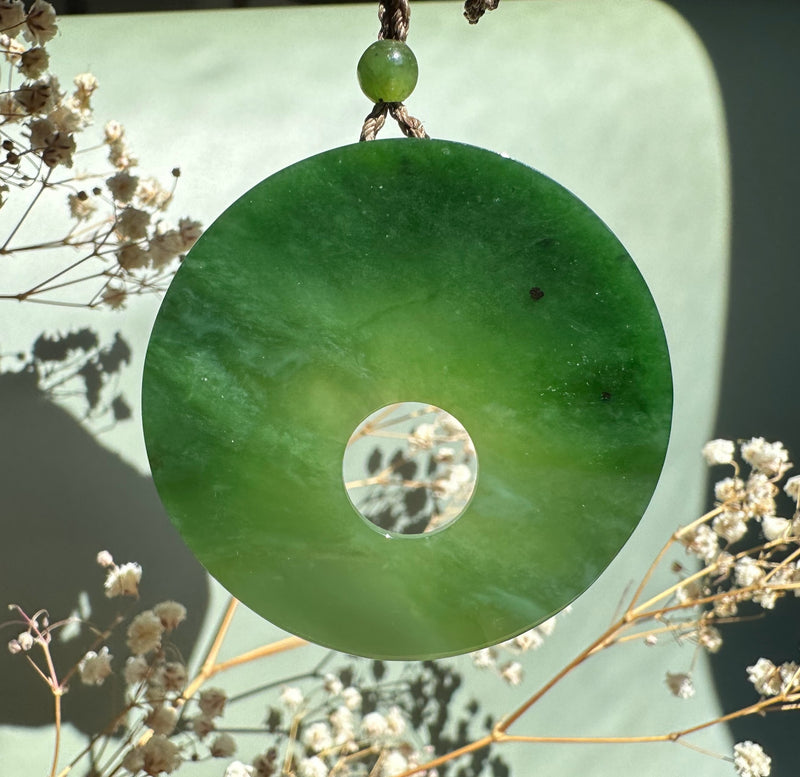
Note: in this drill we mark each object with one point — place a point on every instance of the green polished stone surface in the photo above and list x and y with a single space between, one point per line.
402 270
387 71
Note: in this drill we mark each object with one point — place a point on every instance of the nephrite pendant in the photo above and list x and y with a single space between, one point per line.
407 270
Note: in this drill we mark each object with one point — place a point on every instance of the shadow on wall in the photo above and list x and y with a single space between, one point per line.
65 498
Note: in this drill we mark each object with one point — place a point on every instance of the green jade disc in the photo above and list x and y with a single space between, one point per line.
407 270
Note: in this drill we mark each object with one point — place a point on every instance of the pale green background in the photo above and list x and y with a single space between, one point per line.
615 99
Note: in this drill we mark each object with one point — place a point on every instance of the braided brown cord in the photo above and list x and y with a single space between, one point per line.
411 127
374 122
393 16
474 9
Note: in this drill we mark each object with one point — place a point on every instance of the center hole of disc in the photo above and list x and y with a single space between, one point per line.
410 468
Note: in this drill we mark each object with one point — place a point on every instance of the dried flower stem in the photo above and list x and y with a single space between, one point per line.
667 545
210 666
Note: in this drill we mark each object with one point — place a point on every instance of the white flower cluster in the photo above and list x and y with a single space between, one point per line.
334 729
771 680
95 667
40 124
743 500
508 668
159 755
742 503
211 704
750 760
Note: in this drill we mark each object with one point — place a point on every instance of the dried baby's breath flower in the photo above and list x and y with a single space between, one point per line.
719 452
10 110
169 676
312 767
41 22
317 737
750 760
132 223
171 614
766 597
123 580
374 725
774 527
701 542
457 478
528 640
85 86
351 698
292 698
203 725
67 118
394 763
81 208
40 131
223 746
113 131
725 562
38 96
12 19
422 438
239 769
34 62
120 155
765 676
395 722
689 591
122 186
729 489
163 719
151 194
484 658
747 572
58 150
726 606
342 721
445 455
212 702
680 684
512 673
332 684
160 756
105 559
770 458
709 638
95 667
760 499
137 670
731 525
133 760
792 487
144 633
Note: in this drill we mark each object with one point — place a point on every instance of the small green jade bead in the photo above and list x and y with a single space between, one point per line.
387 71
